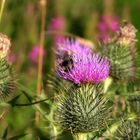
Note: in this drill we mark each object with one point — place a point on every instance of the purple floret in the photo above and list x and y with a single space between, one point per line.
82 66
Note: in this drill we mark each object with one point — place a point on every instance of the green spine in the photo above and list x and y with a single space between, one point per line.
123 61
82 109
7 83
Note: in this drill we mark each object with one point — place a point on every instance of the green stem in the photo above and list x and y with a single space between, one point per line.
80 136
53 132
28 104
1 9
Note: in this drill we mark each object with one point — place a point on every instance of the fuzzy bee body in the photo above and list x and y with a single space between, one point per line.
67 62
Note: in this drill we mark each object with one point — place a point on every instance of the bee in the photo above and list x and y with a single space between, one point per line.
67 62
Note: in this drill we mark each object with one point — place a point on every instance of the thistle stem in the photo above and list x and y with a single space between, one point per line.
1 9
40 59
80 136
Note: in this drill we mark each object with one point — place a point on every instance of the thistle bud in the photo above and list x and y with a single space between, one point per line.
134 103
123 59
129 130
82 109
7 83
4 45
126 36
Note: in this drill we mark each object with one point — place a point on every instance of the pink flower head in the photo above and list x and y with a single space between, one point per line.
108 23
34 54
104 37
106 26
82 66
102 26
12 57
114 25
56 24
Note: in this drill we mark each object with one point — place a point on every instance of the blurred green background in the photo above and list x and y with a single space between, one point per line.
90 19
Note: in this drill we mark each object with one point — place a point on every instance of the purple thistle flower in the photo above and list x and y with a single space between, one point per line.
34 54
82 66
57 24
108 23
107 26
114 25
12 57
102 26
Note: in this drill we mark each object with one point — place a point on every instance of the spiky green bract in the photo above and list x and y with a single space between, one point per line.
55 84
123 61
129 130
134 104
7 83
82 108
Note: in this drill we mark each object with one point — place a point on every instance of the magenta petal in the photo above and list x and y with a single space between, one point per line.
86 67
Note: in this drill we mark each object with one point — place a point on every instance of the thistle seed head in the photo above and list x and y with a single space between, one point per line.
126 36
4 45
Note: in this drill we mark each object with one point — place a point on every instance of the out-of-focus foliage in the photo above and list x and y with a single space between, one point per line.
21 22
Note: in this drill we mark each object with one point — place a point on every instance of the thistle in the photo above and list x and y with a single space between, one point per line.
129 130
5 45
7 83
134 103
122 54
81 107
126 35
82 66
